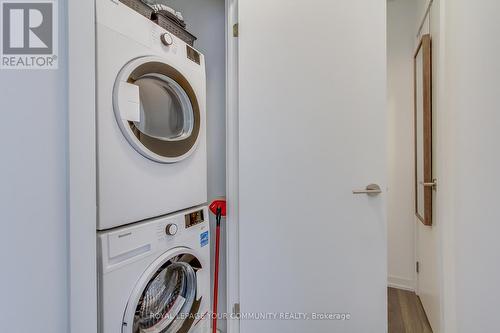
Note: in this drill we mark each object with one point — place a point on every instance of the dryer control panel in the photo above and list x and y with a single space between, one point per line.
193 55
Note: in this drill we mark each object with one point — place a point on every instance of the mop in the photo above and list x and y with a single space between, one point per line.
218 208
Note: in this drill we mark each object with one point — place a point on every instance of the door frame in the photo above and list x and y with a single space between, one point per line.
232 167
82 174
82 181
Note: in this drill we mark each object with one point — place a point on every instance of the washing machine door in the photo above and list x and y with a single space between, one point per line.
157 110
166 298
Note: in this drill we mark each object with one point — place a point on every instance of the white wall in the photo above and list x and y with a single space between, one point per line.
401 222
33 241
473 99
206 20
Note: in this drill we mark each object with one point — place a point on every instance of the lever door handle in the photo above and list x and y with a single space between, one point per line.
433 184
371 190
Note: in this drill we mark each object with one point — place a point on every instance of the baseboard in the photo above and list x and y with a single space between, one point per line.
400 283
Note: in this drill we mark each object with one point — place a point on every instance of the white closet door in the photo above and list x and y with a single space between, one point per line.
312 128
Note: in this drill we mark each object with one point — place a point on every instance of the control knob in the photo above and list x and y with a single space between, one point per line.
171 229
167 39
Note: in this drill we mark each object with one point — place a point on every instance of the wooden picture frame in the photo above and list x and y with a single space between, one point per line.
424 182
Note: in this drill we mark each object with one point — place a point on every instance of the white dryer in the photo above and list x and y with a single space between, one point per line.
151 133
155 276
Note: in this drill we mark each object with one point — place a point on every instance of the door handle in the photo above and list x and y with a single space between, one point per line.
433 184
371 190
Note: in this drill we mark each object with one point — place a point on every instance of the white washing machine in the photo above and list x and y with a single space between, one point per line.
151 133
155 276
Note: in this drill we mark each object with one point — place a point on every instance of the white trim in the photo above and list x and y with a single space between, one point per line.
81 168
232 144
446 175
401 283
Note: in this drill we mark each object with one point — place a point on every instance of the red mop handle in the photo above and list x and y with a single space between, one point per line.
216 278
218 207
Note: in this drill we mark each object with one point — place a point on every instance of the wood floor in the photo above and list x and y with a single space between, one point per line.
406 314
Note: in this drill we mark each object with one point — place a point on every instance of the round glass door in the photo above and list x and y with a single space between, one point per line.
157 110
166 111
168 302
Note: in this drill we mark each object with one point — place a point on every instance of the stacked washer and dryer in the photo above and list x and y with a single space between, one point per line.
153 231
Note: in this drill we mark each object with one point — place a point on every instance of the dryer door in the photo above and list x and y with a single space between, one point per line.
157 110
166 298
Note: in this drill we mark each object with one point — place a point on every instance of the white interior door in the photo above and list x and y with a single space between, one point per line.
312 128
429 238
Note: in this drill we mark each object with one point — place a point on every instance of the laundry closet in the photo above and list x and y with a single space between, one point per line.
160 117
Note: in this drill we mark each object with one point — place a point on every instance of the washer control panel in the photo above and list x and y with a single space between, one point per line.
181 226
194 218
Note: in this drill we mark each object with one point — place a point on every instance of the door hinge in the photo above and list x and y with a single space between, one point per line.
417 266
236 309
236 30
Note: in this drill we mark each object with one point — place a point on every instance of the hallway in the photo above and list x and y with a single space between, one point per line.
406 314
